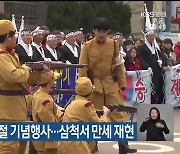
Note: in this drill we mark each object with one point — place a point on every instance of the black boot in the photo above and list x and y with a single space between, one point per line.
124 148
95 148
32 150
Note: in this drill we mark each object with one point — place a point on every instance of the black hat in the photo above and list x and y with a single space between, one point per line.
128 42
168 41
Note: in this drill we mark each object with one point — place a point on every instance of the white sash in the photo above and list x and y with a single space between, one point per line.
73 50
42 53
27 48
37 47
63 42
122 52
154 49
76 44
151 48
53 52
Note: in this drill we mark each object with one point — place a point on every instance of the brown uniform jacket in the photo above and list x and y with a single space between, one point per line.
100 60
44 109
80 110
12 73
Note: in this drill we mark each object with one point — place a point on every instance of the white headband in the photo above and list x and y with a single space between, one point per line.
149 32
117 37
37 32
25 32
62 33
78 32
51 37
69 34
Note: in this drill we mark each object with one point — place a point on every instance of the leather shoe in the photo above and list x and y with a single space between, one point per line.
95 149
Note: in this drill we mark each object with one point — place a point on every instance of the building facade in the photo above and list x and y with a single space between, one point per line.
34 12
138 21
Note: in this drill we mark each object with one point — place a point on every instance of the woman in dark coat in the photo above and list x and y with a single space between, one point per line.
155 126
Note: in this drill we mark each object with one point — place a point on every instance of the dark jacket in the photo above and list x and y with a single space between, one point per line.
78 48
168 51
23 57
154 133
49 55
166 60
36 55
147 59
66 54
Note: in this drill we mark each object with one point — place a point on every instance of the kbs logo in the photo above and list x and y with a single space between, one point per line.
154 14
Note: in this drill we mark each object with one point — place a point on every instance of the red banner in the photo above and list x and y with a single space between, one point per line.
177 12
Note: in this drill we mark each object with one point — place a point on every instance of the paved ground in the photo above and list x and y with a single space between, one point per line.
168 147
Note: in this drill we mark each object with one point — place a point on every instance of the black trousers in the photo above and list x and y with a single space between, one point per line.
32 150
157 94
123 146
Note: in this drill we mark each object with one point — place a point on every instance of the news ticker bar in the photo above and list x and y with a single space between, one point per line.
68 131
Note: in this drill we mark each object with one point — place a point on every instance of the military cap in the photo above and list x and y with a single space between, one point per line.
45 77
6 27
83 86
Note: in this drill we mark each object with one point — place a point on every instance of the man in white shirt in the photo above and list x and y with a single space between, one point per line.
119 37
79 39
38 51
60 38
68 52
24 48
50 51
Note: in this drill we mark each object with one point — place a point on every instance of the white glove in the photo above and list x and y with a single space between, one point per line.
123 54
150 70
160 62
47 59
60 108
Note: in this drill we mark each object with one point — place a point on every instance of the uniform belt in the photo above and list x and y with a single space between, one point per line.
13 92
102 76
154 133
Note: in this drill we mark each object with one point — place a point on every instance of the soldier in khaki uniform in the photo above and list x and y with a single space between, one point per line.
105 69
81 110
13 78
44 109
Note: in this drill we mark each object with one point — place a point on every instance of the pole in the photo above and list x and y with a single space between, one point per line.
168 16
